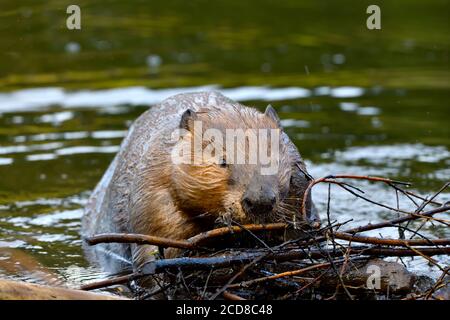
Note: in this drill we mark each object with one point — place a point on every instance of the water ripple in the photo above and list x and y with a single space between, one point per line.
35 99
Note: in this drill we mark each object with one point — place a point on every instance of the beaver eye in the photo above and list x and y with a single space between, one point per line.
223 163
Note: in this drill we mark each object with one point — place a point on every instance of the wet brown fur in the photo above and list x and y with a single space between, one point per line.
144 192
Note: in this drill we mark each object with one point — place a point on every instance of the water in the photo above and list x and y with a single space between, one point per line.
353 101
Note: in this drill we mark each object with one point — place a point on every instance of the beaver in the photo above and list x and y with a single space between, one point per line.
146 191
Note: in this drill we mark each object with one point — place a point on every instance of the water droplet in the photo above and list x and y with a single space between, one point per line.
153 61
72 47
338 58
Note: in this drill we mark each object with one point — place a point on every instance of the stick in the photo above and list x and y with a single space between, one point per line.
331 179
280 275
391 242
201 238
206 263
192 243
108 282
390 223
158 266
393 222
231 296
139 239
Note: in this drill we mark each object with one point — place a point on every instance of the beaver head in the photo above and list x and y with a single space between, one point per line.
236 163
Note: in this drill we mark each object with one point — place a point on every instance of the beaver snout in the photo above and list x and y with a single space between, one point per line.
260 202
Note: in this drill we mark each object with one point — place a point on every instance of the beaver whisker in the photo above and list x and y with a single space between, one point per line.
201 216
286 203
288 207
289 213
284 213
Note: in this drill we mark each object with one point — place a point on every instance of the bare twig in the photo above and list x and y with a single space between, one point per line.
191 244
138 239
280 275
231 296
391 242
202 238
109 282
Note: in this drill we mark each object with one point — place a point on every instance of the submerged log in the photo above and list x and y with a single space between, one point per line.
19 290
17 261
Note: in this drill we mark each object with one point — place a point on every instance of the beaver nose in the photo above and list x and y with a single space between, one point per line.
259 203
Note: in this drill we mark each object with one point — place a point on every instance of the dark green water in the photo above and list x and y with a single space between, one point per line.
360 101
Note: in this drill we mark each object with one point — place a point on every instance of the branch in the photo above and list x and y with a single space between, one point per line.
331 178
138 239
391 242
206 263
192 243
224 261
393 222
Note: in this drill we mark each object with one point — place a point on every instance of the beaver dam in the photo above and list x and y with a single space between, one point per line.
334 261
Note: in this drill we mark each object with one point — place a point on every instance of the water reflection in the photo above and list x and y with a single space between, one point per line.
62 144
36 99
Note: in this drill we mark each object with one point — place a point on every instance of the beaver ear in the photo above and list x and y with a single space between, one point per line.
272 114
187 119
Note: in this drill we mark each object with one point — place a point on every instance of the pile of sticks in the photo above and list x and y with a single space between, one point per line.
328 262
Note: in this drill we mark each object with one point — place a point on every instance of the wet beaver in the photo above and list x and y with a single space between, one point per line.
148 190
